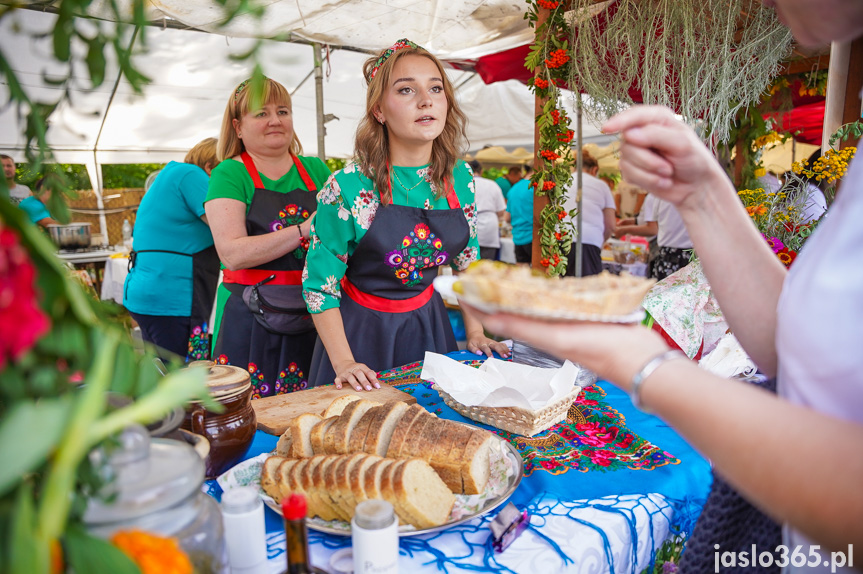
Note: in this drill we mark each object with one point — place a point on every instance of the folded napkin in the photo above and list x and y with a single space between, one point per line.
728 359
499 383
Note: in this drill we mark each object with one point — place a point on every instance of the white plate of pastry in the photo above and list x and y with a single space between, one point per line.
435 472
498 287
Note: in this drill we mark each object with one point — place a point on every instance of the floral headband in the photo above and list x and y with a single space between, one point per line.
403 43
242 87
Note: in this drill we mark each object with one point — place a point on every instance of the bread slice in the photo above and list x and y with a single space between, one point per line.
313 499
337 406
327 510
400 432
290 482
329 484
475 462
357 477
284 446
422 494
378 438
341 431
301 429
388 492
270 476
318 433
372 478
342 485
362 428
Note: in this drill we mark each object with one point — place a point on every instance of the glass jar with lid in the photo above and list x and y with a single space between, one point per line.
155 486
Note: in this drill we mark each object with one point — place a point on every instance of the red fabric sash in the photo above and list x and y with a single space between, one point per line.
384 305
253 276
256 177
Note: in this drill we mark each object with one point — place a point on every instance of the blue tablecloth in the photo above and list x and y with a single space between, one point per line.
658 488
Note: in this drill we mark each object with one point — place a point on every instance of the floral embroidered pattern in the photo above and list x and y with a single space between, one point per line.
293 215
332 287
222 360
314 300
364 208
465 258
343 257
331 193
260 388
420 249
290 380
470 214
199 344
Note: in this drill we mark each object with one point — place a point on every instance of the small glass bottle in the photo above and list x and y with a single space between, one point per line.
296 535
243 515
127 234
375 538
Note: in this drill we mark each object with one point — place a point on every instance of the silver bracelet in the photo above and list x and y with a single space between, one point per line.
646 371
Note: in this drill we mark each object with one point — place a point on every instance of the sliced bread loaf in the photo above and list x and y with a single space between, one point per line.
328 510
357 475
284 446
358 434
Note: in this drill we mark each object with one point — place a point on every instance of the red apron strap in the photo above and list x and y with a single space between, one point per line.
252 276
256 177
253 171
310 184
451 197
384 305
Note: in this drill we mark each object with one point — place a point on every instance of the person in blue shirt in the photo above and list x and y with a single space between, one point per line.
519 204
35 209
173 267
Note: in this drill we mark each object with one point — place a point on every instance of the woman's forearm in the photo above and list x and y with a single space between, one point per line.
743 272
331 330
752 441
251 251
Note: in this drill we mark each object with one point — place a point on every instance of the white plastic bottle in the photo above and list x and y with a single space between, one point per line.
127 234
375 538
245 534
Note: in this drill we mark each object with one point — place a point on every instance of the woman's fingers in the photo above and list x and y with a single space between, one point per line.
359 376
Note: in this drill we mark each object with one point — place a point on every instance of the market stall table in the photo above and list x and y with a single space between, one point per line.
116 269
604 489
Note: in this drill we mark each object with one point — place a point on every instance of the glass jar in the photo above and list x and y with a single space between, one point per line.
155 486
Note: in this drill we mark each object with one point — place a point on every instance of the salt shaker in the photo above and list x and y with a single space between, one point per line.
243 515
375 538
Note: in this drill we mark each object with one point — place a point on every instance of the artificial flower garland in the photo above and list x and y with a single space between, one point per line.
550 60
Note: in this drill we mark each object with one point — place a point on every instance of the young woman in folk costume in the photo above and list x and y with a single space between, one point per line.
260 205
387 221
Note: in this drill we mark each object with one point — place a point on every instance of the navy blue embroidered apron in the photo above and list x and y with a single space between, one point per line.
277 363
390 311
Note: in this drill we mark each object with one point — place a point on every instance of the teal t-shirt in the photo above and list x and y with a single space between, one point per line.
504 185
169 218
34 208
519 204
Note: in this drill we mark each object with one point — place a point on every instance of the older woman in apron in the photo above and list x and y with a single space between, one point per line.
260 206
387 221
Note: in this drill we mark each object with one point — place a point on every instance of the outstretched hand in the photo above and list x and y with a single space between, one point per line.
357 375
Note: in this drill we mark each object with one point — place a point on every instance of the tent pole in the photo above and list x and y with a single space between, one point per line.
579 166
319 99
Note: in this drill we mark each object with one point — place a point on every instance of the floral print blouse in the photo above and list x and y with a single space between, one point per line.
346 209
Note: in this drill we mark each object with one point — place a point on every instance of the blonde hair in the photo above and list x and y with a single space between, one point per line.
372 142
240 103
203 154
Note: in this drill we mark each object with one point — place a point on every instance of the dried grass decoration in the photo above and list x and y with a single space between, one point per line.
706 59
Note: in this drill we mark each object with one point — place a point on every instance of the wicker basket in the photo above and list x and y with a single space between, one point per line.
515 419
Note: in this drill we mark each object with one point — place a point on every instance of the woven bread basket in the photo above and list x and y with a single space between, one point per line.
516 420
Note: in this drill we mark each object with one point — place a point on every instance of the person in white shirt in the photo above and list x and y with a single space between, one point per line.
597 217
17 191
490 209
660 218
795 455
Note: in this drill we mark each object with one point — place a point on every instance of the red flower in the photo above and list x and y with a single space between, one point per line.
786 256
549 464
595 435
22 322
601 457
626 441
561 214
567 137
548 185
548 4
540 83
